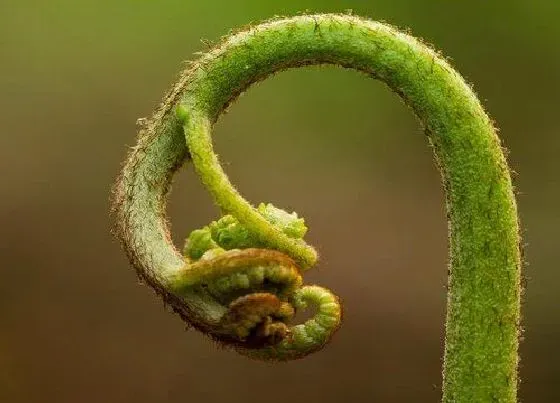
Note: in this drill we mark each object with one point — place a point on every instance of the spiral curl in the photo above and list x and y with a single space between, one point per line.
261 288
223 292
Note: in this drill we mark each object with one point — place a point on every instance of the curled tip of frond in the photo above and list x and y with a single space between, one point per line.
484 235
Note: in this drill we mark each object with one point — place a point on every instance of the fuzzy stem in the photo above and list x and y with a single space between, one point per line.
483 308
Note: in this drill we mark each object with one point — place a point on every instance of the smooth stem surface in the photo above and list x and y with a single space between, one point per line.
480 363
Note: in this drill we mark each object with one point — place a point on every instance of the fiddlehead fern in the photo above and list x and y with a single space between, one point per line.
243 293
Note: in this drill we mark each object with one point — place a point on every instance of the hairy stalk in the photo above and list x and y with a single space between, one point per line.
483 314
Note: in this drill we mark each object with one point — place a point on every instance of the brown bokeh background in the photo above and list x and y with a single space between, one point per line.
340 149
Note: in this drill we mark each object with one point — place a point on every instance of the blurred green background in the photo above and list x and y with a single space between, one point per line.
339 148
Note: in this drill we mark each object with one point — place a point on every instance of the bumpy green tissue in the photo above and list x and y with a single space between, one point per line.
228 233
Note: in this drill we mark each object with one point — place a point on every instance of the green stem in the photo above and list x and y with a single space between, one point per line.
483 310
